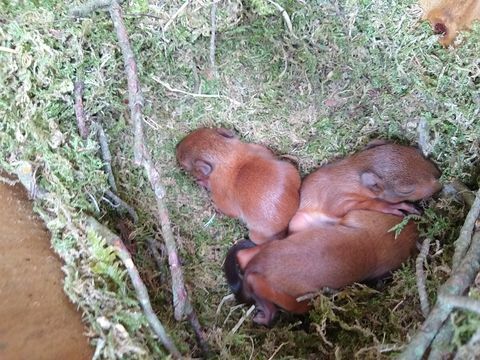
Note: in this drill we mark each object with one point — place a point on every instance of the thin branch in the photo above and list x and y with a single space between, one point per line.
85 9
461 302
457 284
199 334
130 210
213 31
106 156
177 13
139 286
169 88
422 290
135 96
464 239
181 302
441 347
79 110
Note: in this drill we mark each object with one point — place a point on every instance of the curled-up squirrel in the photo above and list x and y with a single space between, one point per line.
246 181
383 177
275 274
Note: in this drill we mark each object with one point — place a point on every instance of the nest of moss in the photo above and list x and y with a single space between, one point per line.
348 72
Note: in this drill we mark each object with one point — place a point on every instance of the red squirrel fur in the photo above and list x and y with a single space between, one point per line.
448 17
275 274
245 181
381 178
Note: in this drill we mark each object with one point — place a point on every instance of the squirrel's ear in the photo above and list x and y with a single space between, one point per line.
372 182
230 134
202 167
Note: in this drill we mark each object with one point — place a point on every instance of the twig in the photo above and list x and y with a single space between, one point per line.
106 156
135 96
242 320
91 6
177 13
461 302
457 284
277 350
169 88
79 110
285 16
181 302
441 347
422 290
139 286
213 19
464 239
199 334
130 210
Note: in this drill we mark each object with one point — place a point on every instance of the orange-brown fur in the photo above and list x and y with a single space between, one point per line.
333 256
246 181
381 178
448 17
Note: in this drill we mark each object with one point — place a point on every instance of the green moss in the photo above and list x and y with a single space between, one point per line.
355 71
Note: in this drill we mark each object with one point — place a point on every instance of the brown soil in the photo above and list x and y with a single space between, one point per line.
36 319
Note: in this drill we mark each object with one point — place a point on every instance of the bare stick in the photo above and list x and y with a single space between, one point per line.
457 284
422 290
181 302
441 345
169 88
106 156
91 6
130 210
461 302
79 110
199 334
213 19
140 288
464 239
135 96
